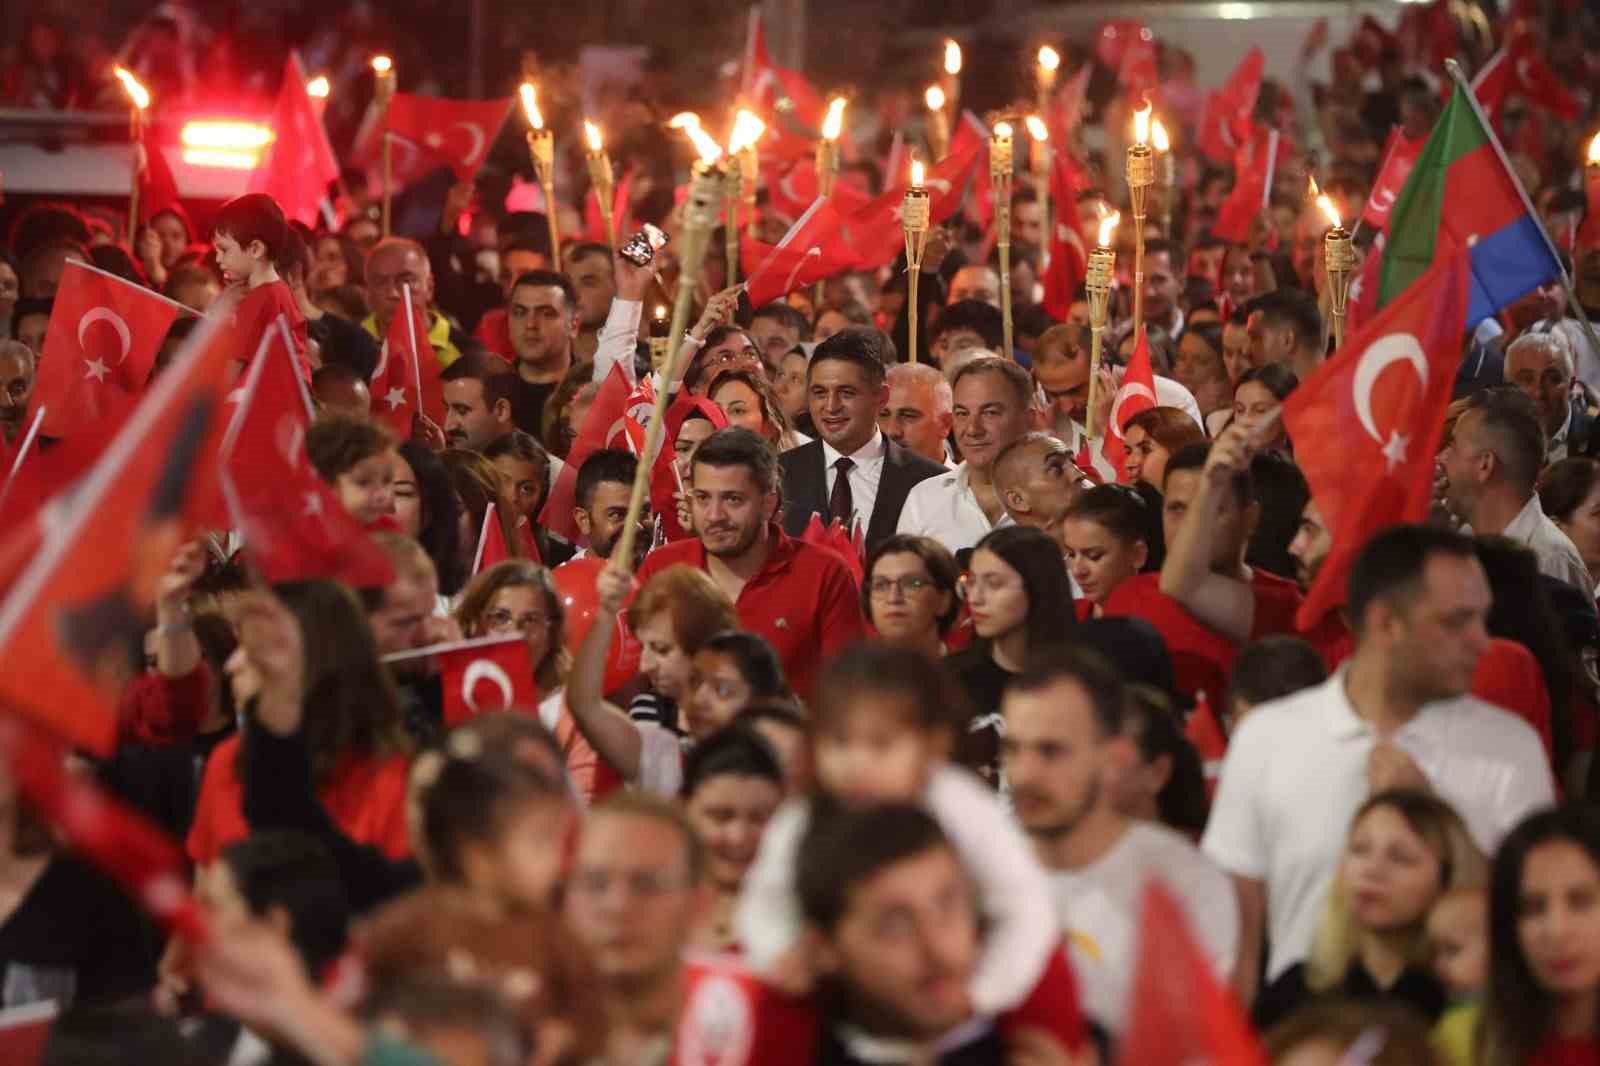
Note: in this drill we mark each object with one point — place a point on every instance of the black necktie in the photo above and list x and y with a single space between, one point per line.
841 504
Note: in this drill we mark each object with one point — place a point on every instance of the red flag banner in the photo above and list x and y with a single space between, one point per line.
1518 69
1069 256
99 349
431 131
875 233
600 425
813 249
299 165
481 676
158 190
1252 186
1399 156
1366 426
1230 109
406 382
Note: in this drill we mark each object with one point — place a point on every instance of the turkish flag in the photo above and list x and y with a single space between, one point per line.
299 165
1399 156
1368 282
793 187
428 132
665 483
600 424
99 349
406 382
1230 108
124 844
731 1017
1069 256
158 190
814 248
1135 393
1519 69
74 619
875 233
1366 425
485 675
846 545
621 197
1066 111
1252 186
1181 1012
790 105
294 526
492 547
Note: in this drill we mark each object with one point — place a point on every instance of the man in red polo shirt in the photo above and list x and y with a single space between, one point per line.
798 596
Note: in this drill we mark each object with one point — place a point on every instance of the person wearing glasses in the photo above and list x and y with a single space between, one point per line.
909 593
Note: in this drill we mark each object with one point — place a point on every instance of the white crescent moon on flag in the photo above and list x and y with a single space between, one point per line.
1522 72
383 362
476 133
939 185
788 285
1124 394
111 318
491 671
1391 348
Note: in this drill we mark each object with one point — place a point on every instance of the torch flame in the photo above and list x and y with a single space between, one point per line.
1158 136
833 124
1331 211
382 64
136 92
661 312
684 120
1141 124
1312 190
747 130
709 150
1108 228
530 104
935 98
1594 149
1037 129
596 139
952 57
917 173
1049 58
1002 131
318 87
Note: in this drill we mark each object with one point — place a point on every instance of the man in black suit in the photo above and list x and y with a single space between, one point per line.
852 472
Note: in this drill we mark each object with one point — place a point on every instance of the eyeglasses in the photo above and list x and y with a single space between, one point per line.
743 355
640 884
504 620
880 587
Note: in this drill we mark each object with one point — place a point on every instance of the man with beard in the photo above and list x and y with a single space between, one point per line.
1065 745
589 267
798 596
17 366
477 401
605 483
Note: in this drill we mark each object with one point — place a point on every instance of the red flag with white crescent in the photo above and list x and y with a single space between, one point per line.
427 132
481 676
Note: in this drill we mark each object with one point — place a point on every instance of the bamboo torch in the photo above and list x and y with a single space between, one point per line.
1338 255
384 73
1141 175
600 177
1102 267
1000 173
138 101
542 149
914 215
745 148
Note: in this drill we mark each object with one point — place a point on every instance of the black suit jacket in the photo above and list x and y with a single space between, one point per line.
805 488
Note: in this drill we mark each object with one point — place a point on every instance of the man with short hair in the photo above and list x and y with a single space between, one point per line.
993 407
589 267
605 485
477 401
1396 714
518 256
17 366
962 327
778 328
1027 217
542 312
1163 285
1064 751
798 596
976 282
334 387
1038 480
852 472
1491 464
393 264
1540 365
919 413
1285 327
1061 371
636 892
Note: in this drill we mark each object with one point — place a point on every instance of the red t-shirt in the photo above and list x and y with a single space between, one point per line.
257 311
1200 656
1567 1053
803 601
158 711
1332 639
494 333
365 796
1277 600
1509 676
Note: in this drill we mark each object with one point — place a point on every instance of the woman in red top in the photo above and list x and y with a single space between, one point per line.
353 731
1107 536
1543 1004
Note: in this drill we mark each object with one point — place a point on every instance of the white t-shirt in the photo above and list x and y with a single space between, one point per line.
1100 905
1296 771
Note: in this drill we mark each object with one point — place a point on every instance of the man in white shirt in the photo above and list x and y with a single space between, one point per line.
1061 372
1063 751
993 407
1397 714
1491 464
920 412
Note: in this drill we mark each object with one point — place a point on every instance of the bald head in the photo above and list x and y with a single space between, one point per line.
1037 479
975 282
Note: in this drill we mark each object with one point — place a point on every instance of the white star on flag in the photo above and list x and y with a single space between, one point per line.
1394 452
96 369
313 505
395 397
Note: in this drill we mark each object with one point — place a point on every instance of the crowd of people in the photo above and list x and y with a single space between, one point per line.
891 793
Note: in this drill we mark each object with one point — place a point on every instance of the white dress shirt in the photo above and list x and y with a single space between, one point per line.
946 509
1558 557
1296 772
616 339
865 476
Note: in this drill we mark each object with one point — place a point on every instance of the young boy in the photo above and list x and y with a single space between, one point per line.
1458 928
356 458
250 237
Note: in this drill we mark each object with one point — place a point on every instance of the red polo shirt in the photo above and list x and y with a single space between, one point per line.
803 601
1200 656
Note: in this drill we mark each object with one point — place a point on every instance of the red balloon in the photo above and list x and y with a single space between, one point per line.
575 589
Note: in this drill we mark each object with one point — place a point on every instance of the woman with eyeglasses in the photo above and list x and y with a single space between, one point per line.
726 348
748 401
909 592
1017 590
518 597
1105 537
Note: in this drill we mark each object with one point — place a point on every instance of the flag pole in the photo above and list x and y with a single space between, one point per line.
383 69
1499 150
416 359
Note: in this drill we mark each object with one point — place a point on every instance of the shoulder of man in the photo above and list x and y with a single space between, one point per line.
919 466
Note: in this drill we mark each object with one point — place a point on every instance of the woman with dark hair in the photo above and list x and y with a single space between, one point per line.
1200 369
1543 1001
162 241
1282 494
1168 783
335 263
1258 398
427 509
10 291
732 670
354 739
1569 492
910 592
478 484
1105 537
1021 602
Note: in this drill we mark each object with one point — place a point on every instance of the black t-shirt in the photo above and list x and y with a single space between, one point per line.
984 681
527 404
